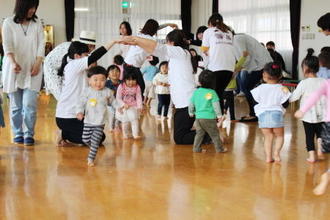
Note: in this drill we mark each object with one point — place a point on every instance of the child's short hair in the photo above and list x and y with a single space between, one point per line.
270 43
96 70
324 22
324 59
274 70
154 61
113 67
325 50
312 64
118 59
130 73
163 63
206 79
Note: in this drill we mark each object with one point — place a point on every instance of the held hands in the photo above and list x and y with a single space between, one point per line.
80 116
35 69
245 53
298 114
16 68
127 40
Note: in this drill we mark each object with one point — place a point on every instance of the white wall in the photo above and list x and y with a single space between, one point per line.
311 10
51 11
201 10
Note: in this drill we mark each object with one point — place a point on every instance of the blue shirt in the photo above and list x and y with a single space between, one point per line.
109 84
149 72
324 73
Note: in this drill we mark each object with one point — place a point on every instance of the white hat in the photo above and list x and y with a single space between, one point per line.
87 37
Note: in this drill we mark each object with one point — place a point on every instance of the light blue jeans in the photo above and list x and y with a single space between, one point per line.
23 108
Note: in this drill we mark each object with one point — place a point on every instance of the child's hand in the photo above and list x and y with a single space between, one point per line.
285 89
245 53
298 114
126 106
191 115
80 116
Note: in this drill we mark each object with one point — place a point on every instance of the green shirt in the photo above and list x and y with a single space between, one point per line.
202 101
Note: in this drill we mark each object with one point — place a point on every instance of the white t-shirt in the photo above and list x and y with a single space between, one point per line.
221 50
270 97
258 55
180 73
74 82
161 78
304 89
136 55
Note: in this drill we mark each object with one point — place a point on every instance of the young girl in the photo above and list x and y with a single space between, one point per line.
162 89
149 73
113 83
313 119
118 60
270 98
205 105
92 107
73 71
324 59
324 90
129 100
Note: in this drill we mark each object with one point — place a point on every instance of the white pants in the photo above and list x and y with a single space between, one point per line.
130 128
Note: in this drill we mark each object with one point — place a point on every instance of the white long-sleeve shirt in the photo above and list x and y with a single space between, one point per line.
26 49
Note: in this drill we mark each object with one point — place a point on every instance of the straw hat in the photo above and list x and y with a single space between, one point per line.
87 37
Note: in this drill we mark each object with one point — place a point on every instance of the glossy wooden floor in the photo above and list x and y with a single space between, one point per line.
155 179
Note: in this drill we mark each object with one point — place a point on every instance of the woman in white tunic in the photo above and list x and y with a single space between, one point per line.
23 42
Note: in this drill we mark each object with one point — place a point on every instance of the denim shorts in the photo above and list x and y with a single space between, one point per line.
271 119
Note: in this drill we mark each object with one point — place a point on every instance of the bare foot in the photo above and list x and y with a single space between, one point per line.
224 150
137 138
320 189
269 161
277 158
90 163
320 155
310 160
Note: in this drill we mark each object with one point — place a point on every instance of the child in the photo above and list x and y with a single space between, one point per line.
113 83
149 73
162 90
204 104
313 119
324 59
92 107
118 60
324 90
270 98
129 99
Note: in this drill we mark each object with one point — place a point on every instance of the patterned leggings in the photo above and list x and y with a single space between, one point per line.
92 137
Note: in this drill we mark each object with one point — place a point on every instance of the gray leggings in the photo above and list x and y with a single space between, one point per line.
208 126
92 137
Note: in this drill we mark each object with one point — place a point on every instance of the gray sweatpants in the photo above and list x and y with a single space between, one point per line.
209 126
92 137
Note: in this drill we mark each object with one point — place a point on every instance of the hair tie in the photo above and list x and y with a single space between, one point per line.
274 66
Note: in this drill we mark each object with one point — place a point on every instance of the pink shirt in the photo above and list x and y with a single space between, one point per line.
314 97
129 95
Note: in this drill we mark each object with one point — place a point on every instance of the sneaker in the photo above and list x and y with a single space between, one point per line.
18 140
28 141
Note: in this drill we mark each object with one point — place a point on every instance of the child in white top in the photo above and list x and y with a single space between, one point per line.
270 98
162 89
313 119
92 107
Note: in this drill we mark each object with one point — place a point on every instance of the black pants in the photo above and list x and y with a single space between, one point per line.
251 81
222 79
325 136
137 71
229 103
163 101
72 129
312 130
182 127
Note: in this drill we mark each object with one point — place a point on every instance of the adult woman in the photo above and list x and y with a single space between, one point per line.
218 45
181 79
124 30
23 42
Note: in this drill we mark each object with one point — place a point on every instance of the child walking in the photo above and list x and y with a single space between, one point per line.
130 105
204 105
113 83
271 97
162 90
149 73
324 90
92 107
314 118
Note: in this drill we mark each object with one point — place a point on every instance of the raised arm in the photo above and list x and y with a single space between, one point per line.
146 44
98 53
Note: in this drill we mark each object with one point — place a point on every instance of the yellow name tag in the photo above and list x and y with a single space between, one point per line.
92 102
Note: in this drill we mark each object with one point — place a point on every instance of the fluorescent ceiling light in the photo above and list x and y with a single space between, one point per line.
81 9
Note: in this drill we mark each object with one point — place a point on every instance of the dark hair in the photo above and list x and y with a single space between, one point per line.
113 67
163 63
154 61
274 70
310 52
325 50
324 22
76 47
324 59
127 26
21 9
206 79
270 43
130 73
150 27
118 59
96 70
200 29
2 53
178 38
216 20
